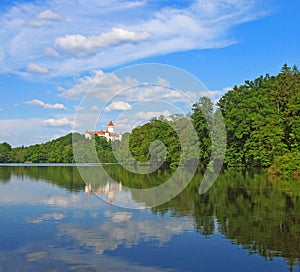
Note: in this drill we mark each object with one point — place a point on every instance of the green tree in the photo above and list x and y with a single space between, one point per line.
202 118
5 150
262 119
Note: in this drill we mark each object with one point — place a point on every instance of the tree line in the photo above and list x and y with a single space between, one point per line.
59 150
262 130
262 121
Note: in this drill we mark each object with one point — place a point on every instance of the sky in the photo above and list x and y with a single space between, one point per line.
75 65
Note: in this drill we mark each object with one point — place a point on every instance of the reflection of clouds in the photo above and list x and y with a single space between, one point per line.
122 230
24 191
61 259
48 216
63 201
33 256
119 216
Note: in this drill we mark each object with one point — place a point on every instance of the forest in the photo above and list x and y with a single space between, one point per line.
262 128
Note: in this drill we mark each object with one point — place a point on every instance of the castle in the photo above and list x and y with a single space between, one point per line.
109 134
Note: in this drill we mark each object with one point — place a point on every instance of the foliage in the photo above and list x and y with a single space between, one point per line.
262 119
286 165
202 120
59 151
5 150
146 137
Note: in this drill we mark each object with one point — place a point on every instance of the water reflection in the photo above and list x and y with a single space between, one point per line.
107 191
123 229
50 218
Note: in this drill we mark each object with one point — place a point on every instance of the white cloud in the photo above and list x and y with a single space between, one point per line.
127 124
59 122
35 68
50 52
151 114
81 46
215 95
95 108
99 85
49 15
103 34
45 18
105 87
123 97
82 86
42 104
78 108
19 132
118 106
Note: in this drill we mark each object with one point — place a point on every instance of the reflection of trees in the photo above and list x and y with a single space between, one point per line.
261 216
5 174
64 176
264 219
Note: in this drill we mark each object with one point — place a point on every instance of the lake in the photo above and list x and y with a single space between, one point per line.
51 220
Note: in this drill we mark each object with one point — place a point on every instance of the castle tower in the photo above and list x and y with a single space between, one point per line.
110 127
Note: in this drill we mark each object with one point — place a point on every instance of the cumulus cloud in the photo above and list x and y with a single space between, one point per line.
118 106
50 52
104 87
24 131
130 33
49 15
98 85
35 68
127 124
81 46
59 122
45 18
82 86
42 104
215 95
151 114
95 108
78 108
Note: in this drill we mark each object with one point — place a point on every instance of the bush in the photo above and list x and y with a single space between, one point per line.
287 165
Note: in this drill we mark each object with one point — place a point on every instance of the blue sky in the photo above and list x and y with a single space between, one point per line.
52 52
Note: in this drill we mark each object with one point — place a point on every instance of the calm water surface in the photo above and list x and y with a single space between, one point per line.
52 221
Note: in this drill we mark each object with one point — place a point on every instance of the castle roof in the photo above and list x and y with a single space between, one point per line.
111 124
